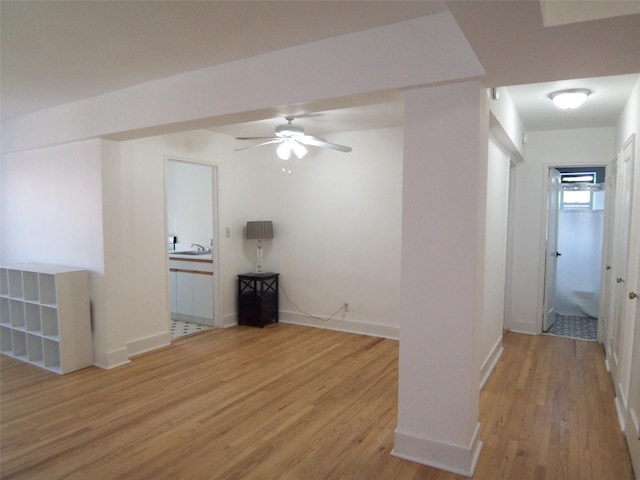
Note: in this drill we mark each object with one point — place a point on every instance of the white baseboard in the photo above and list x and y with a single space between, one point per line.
634 420
146 344
457 459
523 327
633 440
229 320
342 325
490 362
112 359
620 411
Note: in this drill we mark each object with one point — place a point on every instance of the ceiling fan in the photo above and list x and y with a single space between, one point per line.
292 139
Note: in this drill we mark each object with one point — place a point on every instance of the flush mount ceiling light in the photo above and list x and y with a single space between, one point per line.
569 99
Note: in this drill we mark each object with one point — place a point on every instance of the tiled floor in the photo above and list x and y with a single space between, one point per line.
585 328
180 328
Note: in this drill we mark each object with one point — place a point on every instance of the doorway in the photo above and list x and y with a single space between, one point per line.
573 251
191 219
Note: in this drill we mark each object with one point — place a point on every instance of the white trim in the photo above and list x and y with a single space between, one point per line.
635 423
620 411
490 362
543 235
229 320
623 395
458 459
146 344
528 328
350 326
112 359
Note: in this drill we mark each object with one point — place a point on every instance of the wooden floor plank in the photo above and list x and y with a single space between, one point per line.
292 402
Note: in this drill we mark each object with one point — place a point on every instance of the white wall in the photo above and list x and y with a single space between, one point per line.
52 213
337 222
559 147
498 170
145 218
190 202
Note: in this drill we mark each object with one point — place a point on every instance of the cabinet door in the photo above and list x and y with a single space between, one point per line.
183 293
202 296
194 296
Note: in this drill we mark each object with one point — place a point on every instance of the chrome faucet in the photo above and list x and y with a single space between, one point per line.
199 247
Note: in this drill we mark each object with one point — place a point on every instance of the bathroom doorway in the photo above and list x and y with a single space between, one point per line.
191 210
574 246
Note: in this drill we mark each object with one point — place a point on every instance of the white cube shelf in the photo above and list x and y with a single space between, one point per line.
45 316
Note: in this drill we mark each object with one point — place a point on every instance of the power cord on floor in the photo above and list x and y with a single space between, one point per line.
284 290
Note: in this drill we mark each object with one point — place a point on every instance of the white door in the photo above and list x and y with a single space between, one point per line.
632 430
605 314
622 222
551 249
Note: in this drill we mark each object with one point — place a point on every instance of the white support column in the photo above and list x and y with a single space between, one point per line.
444 187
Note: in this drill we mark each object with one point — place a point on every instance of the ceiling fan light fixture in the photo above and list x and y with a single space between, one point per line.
284 150
299 149
569 99
289 130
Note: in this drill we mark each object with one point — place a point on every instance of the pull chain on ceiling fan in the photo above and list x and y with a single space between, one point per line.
292 139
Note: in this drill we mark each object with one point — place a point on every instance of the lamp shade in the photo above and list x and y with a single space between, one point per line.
260 229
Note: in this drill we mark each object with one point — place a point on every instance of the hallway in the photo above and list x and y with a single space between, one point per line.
547 412
293 402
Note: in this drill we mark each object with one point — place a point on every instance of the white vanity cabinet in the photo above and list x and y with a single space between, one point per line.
191 290
45 316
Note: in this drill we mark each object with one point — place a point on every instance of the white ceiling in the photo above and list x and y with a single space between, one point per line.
601 109
54 52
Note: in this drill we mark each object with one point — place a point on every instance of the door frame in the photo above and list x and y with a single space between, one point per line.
543 235
552 210
215 244
623 313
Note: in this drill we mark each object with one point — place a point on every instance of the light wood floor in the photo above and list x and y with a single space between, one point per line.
291 402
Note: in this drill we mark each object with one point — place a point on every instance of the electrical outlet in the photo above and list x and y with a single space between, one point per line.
346 307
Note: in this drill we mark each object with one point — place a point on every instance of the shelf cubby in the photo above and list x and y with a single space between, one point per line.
32 317
4 282
34 349
5 311
47 289
19 341
30 286
6 344
51 354
49 317
15 284
17 314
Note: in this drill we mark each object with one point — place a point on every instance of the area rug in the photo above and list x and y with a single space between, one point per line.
585 328
180 328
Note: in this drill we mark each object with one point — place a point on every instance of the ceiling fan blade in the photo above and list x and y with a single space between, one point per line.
257 138
271 140
322 143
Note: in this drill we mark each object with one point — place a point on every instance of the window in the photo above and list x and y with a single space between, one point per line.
577 189
576 198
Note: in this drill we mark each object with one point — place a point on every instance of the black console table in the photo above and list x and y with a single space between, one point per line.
257 298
